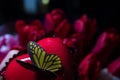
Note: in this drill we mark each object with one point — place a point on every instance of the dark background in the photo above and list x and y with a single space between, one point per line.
106 12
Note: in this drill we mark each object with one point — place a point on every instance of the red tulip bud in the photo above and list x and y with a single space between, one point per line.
85 29
38 25
56 22
57 15
106 45
26 33
19 26
63 29
89 68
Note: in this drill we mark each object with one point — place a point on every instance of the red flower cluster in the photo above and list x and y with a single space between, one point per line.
55 24
31 32
88 58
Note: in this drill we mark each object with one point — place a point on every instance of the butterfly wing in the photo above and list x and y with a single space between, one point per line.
37 54
52 63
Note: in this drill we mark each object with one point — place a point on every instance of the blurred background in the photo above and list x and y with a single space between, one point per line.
106 12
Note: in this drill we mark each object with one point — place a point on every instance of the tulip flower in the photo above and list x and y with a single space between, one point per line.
57 23
31 32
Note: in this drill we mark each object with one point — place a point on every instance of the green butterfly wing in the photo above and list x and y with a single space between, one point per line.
50 62
37 54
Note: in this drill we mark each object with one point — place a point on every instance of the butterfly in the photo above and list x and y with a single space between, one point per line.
48 64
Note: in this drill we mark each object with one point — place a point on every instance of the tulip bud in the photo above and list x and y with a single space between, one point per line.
85 29
106 44
57 23
89 68
33 31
